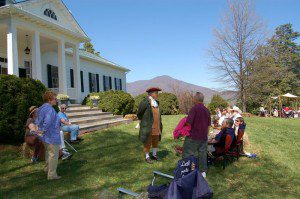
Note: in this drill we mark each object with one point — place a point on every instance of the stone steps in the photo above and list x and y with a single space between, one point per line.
83 120
92 119
93 126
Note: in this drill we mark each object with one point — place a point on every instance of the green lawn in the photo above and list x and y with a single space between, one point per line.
113 158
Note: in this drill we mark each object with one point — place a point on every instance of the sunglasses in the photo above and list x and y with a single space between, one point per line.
237 121
64 108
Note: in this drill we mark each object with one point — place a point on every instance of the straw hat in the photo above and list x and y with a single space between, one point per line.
32 109
235 108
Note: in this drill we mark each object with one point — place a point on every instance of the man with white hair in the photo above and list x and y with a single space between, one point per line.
67 126
196 143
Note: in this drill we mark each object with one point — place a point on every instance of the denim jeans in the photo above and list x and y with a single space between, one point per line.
73 129
197 148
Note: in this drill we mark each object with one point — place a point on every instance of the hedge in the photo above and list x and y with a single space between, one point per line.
217 102
118 102
16 96
168 103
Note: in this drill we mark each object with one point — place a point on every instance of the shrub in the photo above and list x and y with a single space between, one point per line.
137 101
217 102
168 103
118 102
16 96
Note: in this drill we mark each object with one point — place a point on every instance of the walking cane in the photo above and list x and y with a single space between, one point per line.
70 145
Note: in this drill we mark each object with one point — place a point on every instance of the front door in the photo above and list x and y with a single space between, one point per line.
52 73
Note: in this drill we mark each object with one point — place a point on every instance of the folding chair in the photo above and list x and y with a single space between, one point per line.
70 146
156 174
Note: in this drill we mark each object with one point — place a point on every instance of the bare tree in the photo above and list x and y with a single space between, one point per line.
239 34
185 98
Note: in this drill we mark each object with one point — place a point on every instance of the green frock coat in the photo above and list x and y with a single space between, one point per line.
146 116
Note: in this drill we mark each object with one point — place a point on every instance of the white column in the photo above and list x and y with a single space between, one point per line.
76 68
36 56
62 75
12 50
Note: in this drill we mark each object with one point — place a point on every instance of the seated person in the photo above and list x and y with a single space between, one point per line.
239 130
224 140
32 138
216 128
239 126
67 126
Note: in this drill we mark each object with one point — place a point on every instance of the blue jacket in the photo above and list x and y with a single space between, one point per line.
48 121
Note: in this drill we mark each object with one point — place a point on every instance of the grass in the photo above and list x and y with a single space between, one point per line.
113 158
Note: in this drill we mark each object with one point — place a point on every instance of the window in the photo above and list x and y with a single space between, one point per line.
72 78
52 72
28 69
50 13
81 81
94 82
118 84
3 67
107 83
3 70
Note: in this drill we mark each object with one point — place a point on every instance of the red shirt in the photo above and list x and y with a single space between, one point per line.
199 119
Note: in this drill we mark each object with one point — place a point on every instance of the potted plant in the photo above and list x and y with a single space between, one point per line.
63 99
95 100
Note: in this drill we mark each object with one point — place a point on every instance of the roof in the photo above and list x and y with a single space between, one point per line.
16 8
98 59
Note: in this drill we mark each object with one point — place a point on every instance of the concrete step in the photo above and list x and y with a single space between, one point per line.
75 105
97 118
93 126
80 109
89 113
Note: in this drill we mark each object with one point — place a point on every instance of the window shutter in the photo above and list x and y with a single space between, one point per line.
81 81
110 85
49 74
72 78
104 83
90 82
97 79
116 86
0 69
121 84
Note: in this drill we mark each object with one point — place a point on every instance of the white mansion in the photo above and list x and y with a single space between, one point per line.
40 39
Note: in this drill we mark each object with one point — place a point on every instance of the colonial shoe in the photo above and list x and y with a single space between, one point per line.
154 157
149 161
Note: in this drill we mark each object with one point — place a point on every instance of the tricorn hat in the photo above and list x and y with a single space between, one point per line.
153 89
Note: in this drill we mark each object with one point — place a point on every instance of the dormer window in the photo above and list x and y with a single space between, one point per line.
50 13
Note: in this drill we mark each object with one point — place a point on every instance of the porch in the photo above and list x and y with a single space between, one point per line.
28 51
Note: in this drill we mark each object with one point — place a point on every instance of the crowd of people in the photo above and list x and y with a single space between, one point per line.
45 133
228 126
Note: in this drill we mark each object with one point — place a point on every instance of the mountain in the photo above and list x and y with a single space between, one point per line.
171 85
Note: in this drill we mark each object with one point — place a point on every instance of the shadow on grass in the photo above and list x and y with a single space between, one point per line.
103 160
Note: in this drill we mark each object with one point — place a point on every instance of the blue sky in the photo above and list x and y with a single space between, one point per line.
166 37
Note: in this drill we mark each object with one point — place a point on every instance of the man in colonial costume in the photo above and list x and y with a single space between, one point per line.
150 125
